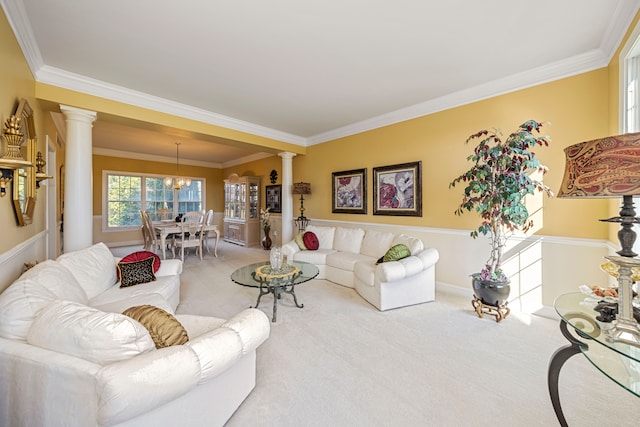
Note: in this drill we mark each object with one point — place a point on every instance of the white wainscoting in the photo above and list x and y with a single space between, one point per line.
12 262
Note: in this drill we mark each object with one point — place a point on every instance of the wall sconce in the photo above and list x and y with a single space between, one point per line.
12 138
302 188
41 175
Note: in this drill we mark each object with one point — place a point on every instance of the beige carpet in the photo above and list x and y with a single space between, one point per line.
340 362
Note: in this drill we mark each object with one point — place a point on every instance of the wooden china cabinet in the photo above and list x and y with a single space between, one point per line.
242 210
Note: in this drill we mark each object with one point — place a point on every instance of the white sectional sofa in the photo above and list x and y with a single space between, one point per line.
347 256
69 358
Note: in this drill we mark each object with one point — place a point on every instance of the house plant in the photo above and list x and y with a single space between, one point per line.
496 186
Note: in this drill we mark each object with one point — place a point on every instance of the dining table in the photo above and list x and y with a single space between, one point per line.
166 228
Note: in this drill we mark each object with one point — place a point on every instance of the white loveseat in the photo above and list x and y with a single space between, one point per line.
347 256
69 358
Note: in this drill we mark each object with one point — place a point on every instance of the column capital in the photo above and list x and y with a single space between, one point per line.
287 155
74 113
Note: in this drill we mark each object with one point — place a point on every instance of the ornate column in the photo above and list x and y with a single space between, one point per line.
78 187
287 197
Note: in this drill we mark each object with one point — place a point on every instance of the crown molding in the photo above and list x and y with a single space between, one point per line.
152 158
247 159
17 17
76 82
558 70
164 159
618 26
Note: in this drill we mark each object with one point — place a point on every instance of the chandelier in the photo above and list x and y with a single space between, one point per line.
178 181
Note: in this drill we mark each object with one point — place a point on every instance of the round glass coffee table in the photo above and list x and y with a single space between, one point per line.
269 281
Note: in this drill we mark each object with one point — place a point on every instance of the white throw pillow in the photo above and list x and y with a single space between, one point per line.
415 245
324 235
376 243
348 239
94 268
85 332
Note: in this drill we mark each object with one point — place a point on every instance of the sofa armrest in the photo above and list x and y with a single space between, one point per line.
149 379
217 351
290 249
169 267
253 327
406 267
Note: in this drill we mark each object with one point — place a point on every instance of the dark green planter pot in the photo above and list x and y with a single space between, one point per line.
490 293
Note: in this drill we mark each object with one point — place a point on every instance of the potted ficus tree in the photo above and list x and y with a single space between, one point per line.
495 188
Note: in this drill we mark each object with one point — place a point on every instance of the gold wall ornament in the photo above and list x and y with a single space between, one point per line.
41 175
11 159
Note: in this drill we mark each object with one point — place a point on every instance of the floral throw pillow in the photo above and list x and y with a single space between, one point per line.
136 272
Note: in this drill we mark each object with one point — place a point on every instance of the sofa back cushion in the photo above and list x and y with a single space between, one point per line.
324 235
36 288
348 239
376 243
94 268
85 332
414 244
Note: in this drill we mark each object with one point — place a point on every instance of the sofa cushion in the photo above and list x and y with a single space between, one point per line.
136 272
348 239
324 234
415 245
346 260
165 330
93 268
147 298
395 253
398 270
85 332
166 286
19 305
310 241
139 256
376 243
57 279
299 241
318 257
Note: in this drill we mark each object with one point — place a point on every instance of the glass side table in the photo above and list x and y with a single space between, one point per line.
618 361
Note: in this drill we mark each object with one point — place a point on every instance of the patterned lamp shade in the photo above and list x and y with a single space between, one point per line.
301 188
606 167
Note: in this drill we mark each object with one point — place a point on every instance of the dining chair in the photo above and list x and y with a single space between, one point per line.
194 216
208 218
190 236
151 242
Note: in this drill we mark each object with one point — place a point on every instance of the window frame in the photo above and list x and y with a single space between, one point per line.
143 191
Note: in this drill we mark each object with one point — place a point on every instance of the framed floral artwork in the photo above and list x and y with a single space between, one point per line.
397 189
273 198
349 190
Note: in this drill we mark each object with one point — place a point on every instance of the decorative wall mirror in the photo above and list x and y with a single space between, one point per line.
24 180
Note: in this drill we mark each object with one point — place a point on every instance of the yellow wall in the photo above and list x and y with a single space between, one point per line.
576 108
17 82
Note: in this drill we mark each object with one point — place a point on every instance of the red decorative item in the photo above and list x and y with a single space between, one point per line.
310 241
139 256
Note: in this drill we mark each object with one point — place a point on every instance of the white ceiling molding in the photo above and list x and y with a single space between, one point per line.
558 70
625 12
183 161
152 158
67 80
17 17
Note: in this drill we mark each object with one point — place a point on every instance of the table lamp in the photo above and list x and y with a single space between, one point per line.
301 188
610 167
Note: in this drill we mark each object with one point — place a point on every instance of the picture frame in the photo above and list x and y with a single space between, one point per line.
273 198
349 191
397 189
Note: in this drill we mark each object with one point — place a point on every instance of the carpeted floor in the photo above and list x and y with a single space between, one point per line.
340 362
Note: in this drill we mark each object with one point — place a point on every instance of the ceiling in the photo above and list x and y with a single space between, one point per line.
305 71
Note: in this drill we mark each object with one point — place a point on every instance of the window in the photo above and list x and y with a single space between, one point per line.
126 194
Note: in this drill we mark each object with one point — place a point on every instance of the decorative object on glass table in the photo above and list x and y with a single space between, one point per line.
276 258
